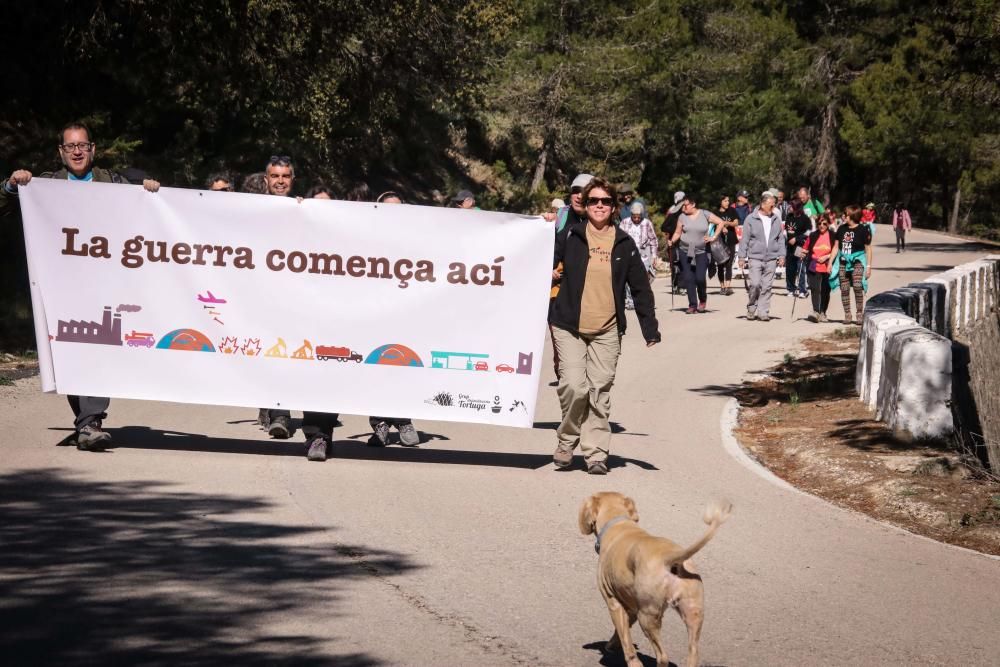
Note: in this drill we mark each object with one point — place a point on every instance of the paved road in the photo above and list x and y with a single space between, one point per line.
198 541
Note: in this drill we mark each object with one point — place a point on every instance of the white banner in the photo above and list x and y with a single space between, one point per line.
369 309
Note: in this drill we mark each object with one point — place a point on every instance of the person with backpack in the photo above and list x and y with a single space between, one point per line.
588 322
692 237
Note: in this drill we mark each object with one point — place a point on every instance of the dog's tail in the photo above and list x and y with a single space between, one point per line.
715 515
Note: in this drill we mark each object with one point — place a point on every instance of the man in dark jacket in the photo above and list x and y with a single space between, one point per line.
76 150
797 228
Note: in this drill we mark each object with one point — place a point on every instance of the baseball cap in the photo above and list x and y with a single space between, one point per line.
582 181
636 208
870 204
463 195
678 197
743 193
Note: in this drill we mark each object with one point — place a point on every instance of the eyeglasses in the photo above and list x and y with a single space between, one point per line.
72 148
603 201
575 190
280 160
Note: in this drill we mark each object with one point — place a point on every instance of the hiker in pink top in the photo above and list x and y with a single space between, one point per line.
901 223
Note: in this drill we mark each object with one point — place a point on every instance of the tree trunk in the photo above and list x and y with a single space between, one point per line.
543 158
953 220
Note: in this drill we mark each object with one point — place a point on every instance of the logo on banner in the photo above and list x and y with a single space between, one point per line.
442 398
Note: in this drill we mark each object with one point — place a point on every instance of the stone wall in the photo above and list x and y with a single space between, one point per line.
930 355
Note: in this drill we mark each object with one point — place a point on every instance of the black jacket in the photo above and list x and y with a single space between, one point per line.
573 251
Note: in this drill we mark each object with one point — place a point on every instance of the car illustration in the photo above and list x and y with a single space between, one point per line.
504 368
482 366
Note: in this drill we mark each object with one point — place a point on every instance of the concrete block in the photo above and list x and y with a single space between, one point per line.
940 297
870 354
915 388
924 312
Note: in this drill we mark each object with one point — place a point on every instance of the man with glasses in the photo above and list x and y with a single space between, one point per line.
316 426
76 151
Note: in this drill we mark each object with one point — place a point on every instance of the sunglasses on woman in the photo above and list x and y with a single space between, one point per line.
604 201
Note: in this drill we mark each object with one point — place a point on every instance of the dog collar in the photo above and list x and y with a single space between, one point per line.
617 519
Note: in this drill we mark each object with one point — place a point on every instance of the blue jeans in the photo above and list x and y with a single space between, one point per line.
693 276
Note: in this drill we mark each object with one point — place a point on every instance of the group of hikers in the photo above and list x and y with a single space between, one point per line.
819 250
604 263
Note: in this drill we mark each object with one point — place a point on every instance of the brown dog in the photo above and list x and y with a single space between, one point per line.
640 575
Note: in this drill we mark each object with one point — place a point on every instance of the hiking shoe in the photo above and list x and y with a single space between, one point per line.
317 446
822 317
408 436
563 457
264 418
380 437
813 317
764 318
597 468
751 315
691 311
280 428
91 438
702 307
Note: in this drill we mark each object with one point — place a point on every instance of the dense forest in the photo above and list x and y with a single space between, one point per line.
863 100
878 100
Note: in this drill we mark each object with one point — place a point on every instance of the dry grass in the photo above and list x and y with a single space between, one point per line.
804 422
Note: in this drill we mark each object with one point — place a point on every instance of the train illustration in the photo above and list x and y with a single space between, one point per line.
342 354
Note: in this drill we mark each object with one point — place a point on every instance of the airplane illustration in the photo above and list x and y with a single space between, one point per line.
211 298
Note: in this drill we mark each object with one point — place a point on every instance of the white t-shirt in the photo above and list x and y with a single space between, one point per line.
767 220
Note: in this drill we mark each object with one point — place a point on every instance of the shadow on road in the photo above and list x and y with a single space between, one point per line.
968 246
615 428
872 436
95 573
812 378
143 437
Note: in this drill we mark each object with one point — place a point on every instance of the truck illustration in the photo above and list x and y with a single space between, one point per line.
139 339
342 354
